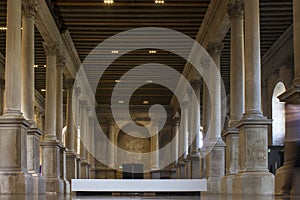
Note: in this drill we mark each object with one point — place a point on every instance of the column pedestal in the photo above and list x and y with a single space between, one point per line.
253 176
232 159
155 174
182 174
71 163
63 170
188 168
14 178
195 166
78 162
51 171
84 169
33 160
215 162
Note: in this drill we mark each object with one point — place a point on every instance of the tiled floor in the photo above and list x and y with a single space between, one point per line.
138 197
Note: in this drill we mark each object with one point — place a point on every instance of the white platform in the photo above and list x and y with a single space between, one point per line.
139 185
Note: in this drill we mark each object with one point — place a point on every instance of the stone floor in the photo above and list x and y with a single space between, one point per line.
139 197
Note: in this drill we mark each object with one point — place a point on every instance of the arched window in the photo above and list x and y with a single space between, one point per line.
278 115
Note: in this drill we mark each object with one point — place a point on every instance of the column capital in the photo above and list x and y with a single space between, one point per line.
214 47
235 8
51 48
82 102
110 121
196 83
175 121
29 8
61 62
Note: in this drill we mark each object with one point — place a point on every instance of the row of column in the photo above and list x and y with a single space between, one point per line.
20 169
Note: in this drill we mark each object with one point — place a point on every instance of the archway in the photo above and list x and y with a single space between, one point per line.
278 116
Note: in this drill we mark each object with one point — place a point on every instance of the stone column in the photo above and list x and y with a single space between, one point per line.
83 142
111 151
50 145
183 137
175 123
215 160
76 93
155 174
253 176
13 128
285 181
71 161
92 146
195 156
29 9
236 12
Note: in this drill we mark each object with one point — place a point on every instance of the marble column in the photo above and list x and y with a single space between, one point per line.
50 145
91 140
155 174
14 177
183 137
236 12
59 120
111 173
195 156
83 141
29 9
175 123
253 176
71 161
215 159
285 178
76 93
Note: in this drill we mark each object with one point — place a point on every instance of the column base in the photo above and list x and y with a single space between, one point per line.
63 169
255 183
188 168
78 162
182 174
215 167
84 169
195 165
14 178
33 160
155 174
71 163
51 167
92 172
226 184
16 183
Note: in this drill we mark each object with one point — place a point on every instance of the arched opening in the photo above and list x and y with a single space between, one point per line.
278 116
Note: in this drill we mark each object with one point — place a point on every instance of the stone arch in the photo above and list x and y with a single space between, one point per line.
278 115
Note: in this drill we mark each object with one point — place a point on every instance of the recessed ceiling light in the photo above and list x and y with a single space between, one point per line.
3 28
45 65
108 1
149 81
117 81
152 51
114 52
145 102
159 1
43 90
35 65
120 102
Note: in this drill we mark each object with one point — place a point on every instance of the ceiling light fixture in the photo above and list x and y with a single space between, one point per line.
3 28
43 90
35 66
108 1
159 1
45 65
149 81
117 81
145 102
114 52
120 102
152 51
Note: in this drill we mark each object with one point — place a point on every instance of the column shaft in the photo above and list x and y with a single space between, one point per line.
252 58
111 135
13 60
155 147
70 133
296 14
176 140
50 111
59 97
27 75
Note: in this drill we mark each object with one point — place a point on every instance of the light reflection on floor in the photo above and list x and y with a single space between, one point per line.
141 197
